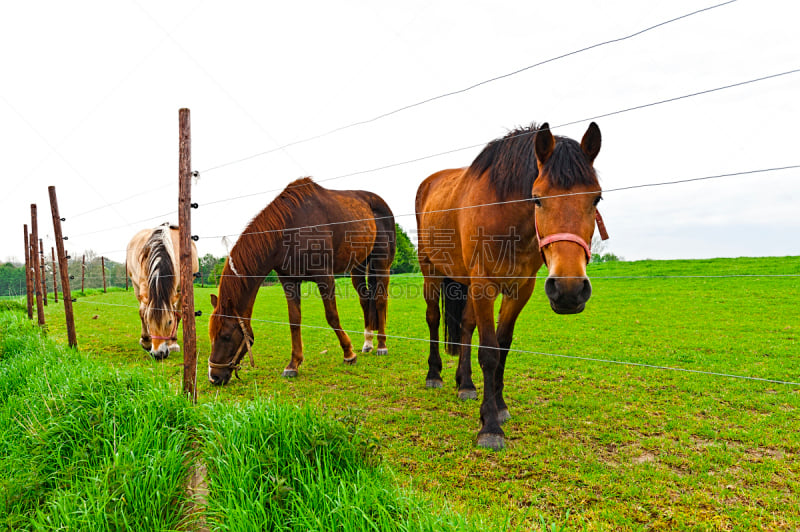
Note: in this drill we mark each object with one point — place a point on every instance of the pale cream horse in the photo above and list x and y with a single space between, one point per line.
152 265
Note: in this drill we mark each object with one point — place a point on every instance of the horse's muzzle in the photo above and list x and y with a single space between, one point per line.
219 377
568 295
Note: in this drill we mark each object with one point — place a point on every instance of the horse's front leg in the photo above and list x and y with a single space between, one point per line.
327 290
483 294
145 341
291 290
173 342
514 300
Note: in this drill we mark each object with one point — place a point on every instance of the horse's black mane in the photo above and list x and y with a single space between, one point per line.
160 270
511 162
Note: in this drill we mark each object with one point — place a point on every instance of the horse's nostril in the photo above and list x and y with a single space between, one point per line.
586 291
551 288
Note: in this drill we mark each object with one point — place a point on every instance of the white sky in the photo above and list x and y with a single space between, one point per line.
90 94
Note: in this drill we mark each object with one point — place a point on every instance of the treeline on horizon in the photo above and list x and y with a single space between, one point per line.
12 275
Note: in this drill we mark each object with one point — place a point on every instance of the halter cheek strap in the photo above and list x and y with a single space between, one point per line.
246 344
570 237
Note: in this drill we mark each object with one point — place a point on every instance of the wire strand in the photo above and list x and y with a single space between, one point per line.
468 88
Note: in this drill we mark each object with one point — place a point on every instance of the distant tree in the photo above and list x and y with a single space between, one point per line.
405 257
12 279
599 253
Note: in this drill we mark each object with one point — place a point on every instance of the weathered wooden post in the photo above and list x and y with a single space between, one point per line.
28 284
126 275
37 273
185 245
103 267
63 268
55 277
44 272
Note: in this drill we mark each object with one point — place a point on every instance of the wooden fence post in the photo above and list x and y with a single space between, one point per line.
44 272
103 267
63 268
37 273
185 245
28 284
55 277
126 275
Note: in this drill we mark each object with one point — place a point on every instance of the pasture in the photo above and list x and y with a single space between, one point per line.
590 445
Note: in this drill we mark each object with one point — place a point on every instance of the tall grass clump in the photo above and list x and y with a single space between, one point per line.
278 467
82 446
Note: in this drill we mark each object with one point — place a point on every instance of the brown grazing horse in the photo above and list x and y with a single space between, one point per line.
307 233
528 198
152 264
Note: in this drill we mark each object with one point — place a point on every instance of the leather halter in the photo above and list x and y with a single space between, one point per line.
246 344
174 334
570 237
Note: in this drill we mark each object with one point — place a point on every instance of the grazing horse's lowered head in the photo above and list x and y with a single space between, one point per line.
153 267
231 337
565 194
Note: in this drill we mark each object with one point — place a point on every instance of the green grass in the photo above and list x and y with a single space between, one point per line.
591 445
85 448
82 448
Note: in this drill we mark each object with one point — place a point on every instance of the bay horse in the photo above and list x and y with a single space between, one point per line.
152 264
529 198
307 233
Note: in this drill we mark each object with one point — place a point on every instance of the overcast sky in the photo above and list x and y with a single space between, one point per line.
90 95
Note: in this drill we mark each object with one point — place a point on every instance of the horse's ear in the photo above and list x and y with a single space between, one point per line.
544 143
214 300
590 144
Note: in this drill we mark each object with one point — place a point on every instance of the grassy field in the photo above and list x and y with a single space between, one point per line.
591 445
85 448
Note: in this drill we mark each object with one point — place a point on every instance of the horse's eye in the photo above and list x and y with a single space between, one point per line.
225 337
597 200
537 201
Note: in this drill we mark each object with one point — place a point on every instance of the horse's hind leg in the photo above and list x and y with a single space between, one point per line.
431 289
466 388
292 291
327 290
359 278
380 295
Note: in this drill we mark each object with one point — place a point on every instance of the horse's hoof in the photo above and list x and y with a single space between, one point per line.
468 395
381 352
491 441
367 348
433 383
503 416
290 373
351 361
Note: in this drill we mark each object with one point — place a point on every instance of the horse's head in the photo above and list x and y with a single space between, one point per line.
565 194
231 337
162 326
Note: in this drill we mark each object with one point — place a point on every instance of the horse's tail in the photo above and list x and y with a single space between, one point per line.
454 301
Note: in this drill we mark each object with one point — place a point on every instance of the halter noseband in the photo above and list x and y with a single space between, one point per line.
246 344
570 237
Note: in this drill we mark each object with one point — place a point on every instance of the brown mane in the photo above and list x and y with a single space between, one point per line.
511 162
264 232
